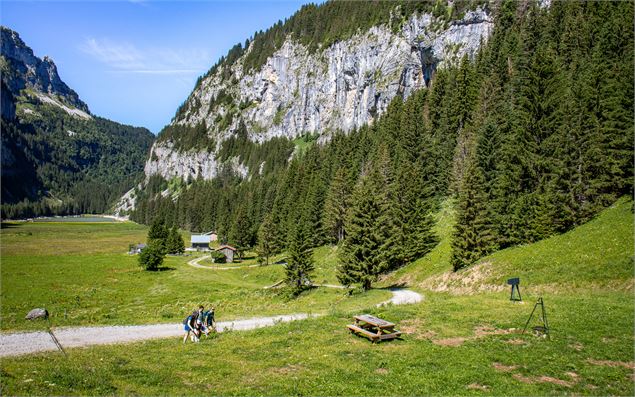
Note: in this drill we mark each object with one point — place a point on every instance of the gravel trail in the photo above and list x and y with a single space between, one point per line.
402 296
195 263
33 342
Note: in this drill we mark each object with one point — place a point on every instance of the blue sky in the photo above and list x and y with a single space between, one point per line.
135 61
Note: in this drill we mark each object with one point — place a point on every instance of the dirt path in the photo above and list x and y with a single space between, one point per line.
195 263
17 344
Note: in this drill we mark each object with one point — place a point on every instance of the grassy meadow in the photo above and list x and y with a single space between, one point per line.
82 274
464 338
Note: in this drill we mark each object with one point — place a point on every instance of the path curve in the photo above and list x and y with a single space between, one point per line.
21 343
195 263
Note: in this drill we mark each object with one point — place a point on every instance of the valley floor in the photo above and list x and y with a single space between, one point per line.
464 338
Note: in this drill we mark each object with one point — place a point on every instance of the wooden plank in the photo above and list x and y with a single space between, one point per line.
377 322
392 335
364 332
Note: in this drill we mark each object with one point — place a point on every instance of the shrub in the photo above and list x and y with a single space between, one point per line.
218 257
151 257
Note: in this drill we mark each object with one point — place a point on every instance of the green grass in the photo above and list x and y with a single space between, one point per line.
319 356
82 275
597 253
585 278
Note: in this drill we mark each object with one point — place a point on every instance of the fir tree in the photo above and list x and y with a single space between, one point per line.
336 206
300 261
265 239
408 220
158 234
472 235
151 257
361 259
174 243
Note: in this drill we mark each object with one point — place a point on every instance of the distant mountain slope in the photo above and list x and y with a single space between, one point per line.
22 69
56 156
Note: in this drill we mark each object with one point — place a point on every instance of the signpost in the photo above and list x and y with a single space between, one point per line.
514 282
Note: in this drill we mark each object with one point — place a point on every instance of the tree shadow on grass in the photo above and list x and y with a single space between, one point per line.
395 285
165 269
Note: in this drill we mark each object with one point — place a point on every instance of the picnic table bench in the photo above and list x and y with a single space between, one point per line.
373 328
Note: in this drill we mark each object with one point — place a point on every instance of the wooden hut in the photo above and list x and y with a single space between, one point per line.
228 251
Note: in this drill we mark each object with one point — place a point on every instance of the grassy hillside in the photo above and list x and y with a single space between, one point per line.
596 255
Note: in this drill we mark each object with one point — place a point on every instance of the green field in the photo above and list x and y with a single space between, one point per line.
463 339
83 275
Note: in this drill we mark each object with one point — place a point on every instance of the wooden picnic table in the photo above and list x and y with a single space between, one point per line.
373 328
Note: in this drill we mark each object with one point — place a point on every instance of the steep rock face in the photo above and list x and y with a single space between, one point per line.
22 69
342 87
192 164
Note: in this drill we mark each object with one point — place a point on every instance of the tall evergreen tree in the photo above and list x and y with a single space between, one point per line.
158 234
472 237
265 239
174 242
361 259
336 206
300 260
408 219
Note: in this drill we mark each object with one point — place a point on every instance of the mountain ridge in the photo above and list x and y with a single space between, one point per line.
28 71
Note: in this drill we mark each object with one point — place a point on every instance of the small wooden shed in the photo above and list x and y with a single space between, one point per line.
228 251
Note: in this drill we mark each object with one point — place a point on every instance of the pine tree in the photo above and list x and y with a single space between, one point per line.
151 257
408 221
361 259
265 239
158 234
336 206
174 243
300 261
472 237
241 234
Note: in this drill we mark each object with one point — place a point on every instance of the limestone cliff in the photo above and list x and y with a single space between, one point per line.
341 87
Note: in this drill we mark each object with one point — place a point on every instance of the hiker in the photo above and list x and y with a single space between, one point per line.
209 323
199 321
190 325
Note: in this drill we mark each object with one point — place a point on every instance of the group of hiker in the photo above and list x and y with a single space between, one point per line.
198 323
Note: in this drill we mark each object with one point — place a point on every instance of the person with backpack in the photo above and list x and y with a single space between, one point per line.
190 325
209 322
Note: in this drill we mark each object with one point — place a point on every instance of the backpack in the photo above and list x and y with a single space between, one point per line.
187 320
209 318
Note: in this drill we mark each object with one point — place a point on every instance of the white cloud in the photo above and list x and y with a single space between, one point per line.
124 57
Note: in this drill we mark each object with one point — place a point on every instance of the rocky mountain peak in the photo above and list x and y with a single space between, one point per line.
22 69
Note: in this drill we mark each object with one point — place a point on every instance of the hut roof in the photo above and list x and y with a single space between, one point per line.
200 238
226 246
